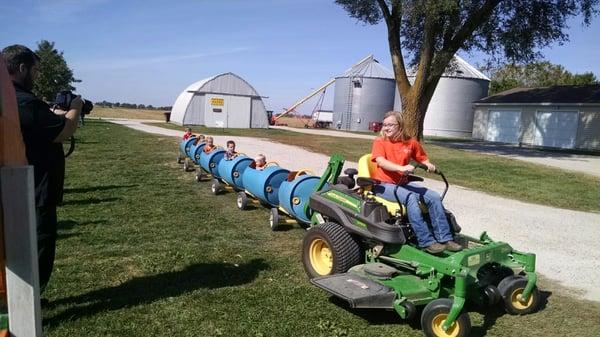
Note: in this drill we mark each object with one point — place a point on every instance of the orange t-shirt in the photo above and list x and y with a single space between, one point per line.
399 152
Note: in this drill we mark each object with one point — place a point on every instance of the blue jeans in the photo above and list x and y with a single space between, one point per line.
409 195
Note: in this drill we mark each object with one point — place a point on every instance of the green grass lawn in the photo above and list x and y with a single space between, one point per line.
492 174
144 250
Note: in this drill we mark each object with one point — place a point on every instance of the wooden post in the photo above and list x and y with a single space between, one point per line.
18 243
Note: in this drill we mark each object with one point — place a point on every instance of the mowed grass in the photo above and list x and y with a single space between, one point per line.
144 250
492 174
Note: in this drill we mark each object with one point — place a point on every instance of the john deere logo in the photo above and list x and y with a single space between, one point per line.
341 199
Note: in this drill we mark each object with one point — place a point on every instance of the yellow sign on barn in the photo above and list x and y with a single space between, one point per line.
217 101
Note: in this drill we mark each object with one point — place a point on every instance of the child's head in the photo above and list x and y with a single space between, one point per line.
209 140
230 145
188 130
201 138
260 160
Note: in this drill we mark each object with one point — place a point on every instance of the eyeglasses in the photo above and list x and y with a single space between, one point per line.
389 125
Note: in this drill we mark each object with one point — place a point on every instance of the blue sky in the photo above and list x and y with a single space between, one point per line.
149 51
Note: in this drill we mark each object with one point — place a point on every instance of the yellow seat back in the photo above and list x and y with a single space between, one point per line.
366 168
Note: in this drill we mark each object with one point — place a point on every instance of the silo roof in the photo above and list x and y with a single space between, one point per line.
369 67
465 70
460 69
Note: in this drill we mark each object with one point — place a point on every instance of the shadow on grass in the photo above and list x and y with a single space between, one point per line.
70 224
89 201
96 188
148 289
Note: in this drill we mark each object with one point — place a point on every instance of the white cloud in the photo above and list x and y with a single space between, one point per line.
126 63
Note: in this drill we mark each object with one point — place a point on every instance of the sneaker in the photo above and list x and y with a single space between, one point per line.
453 246
435 248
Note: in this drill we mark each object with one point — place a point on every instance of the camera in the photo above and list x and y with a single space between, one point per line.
64 98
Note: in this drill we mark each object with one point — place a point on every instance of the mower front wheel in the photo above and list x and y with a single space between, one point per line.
511 289
434 315
329 249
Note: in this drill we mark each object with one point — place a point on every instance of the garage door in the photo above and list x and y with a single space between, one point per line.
556 128
504 126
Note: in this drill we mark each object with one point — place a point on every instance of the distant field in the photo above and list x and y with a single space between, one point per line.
295 122
127 113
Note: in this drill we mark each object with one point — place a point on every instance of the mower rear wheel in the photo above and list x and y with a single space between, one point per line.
434 315
274 219
511 289
328 249
242 200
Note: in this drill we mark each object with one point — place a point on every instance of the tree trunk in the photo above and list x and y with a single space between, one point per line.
413 110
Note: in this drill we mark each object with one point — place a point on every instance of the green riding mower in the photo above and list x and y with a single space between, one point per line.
364 251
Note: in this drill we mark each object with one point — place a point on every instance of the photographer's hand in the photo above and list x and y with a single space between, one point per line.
72 118
76 103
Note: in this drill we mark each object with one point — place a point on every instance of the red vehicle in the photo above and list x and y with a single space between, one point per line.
375 126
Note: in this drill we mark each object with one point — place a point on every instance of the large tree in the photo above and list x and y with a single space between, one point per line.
54 73
535 74
429 32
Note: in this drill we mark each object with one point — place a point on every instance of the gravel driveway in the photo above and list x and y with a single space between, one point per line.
566 242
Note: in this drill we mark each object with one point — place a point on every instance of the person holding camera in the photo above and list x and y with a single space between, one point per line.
43 133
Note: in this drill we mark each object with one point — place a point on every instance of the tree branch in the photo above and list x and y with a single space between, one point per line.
393 21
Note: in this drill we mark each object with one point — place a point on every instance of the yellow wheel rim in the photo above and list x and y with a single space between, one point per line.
321 258
436 326
517 303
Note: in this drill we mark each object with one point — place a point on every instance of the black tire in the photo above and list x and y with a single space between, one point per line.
511 288
216 187
186 166
242 200
435 313
179 159
199 176
274 219
328 249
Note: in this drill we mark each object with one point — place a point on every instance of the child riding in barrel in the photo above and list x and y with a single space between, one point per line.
209 146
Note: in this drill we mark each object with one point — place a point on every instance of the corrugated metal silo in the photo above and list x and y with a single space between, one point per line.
450 112
363 94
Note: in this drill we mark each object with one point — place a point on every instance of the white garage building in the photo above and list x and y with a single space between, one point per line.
560 116
224 101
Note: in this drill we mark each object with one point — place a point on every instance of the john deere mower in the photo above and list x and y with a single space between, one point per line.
362 249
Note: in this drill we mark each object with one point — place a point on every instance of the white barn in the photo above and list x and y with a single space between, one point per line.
225 101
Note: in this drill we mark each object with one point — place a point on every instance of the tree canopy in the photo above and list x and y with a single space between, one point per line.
428 33
54 73
536 74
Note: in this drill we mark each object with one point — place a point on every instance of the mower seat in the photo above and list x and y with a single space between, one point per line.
366 168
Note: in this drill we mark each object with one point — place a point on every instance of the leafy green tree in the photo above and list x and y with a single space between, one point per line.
54 73
535 74
429 32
